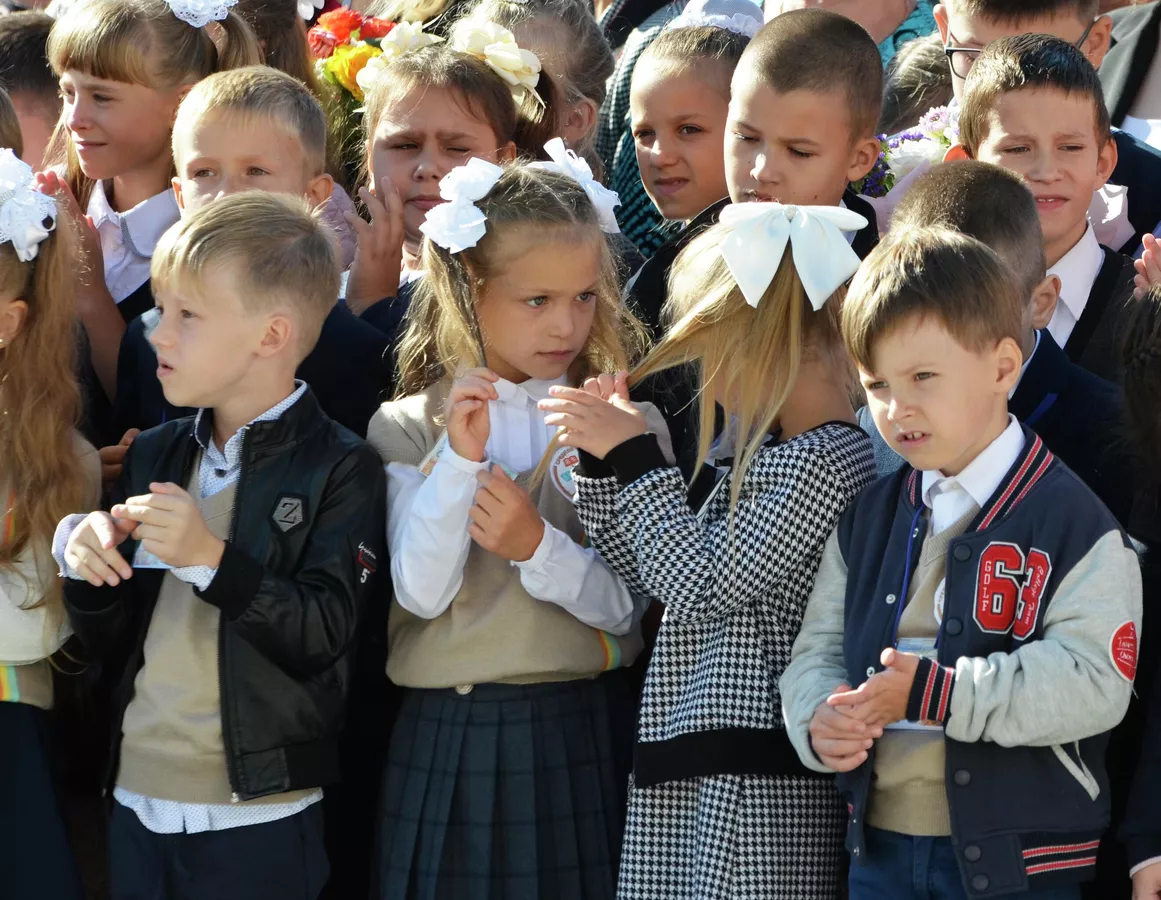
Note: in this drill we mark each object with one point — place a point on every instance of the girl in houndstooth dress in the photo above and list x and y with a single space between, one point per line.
720 807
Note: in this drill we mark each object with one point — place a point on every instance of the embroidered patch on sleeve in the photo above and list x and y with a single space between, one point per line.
368 562
1123 650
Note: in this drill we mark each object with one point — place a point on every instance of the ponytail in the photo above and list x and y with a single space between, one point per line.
238 46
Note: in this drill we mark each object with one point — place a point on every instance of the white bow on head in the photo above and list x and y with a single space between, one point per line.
459 224
199 13
568 163
759 232
24 211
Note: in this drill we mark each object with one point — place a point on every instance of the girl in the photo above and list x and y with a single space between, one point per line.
47 470
124 66
720 806
427 112
506 770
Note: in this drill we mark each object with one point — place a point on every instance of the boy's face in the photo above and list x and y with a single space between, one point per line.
1049 138
959 29
37 117
226 153
936 403
679 125
207 343
794 147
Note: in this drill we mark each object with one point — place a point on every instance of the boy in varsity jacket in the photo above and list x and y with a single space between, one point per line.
982 603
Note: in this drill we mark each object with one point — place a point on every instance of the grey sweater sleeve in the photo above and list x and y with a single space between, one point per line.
816 661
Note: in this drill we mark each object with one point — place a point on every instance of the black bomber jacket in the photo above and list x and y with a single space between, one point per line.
306 534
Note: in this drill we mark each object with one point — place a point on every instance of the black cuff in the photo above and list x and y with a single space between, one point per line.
235 583
593 467
930 697
635 457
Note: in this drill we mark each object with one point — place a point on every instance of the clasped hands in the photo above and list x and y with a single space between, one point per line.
848 722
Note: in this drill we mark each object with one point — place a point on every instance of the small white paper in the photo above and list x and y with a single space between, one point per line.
924 647
143 559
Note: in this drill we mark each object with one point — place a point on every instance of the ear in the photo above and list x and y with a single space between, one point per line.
956 151
1106 162
319 190
940 12
579 121
1096 45
1044 298
507 153
864 155
176 182
280 332
12 317
1009 364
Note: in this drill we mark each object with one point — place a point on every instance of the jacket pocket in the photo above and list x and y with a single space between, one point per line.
1077 769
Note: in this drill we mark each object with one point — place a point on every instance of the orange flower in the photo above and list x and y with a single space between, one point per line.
375 28
322 43
340 22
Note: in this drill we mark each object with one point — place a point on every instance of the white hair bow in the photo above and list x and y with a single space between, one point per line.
737 23
24 211
199 13
568 163
756 243
497 47
459 224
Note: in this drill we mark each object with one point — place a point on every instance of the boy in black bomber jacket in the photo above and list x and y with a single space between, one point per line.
230 570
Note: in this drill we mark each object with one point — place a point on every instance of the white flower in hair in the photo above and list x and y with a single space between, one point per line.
737 23
459 224
199 13
497 47
405 37
306 8
568 163
26 215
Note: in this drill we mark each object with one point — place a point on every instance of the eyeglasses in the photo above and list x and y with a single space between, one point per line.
961 59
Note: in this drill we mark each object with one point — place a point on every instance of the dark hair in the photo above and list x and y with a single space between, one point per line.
1140 345
683 48
917 79
818 50
985 202
1015 11
24 66
1027 61
282 37
10 135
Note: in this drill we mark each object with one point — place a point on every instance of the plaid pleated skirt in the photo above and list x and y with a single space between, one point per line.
507 792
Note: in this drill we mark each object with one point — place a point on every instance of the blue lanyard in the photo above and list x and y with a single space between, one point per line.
901 600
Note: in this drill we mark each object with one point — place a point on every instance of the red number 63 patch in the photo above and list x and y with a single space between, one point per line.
1009 588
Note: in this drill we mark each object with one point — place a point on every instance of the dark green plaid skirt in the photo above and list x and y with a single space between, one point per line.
507 792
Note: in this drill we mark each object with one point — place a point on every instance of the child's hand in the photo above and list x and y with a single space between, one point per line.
839 740
466 413
112 458
882 698
1147 883
605 386
379 255
590 423
504 520
91 551
171 527
1148 267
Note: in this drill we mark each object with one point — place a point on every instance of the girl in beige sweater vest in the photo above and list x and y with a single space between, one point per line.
508 766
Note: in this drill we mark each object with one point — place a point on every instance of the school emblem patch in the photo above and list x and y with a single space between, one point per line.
1123 650
564 461
289 513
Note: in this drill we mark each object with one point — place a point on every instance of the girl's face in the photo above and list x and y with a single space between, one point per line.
679 126
118 128
419 140
536 311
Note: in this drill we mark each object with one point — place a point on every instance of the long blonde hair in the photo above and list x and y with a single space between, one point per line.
139 42
43 474
748 357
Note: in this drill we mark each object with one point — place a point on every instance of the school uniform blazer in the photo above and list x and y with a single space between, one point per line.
1093 342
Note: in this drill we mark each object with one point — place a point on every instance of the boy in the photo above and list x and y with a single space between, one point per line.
231 569
1033 104
967 26
982 602
255 129
804 102
29 80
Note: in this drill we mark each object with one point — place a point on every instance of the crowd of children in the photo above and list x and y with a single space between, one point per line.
381 521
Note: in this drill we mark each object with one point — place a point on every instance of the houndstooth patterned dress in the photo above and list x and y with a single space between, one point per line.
734 596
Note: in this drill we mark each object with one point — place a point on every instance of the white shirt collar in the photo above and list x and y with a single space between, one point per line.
1024 368
531 390
143 225
1078 270
230 452
982 475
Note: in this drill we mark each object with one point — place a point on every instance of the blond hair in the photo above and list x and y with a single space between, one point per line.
140 42
264 92
924 272
749 357
43 472
10 135
292 267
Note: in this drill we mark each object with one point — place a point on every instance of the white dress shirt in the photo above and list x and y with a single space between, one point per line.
427 525
1077 271
129 238
950 497
1147 130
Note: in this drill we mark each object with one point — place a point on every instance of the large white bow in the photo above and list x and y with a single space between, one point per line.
759 232
26 215
459 224
568 163
497 47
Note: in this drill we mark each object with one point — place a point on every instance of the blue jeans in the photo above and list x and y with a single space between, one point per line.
901 867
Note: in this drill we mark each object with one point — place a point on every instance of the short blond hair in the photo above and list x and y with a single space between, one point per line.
293 266
925 272
259 91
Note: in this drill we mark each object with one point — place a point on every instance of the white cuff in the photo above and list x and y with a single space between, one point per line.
453 459
1144 865
536 561
199 576
60 540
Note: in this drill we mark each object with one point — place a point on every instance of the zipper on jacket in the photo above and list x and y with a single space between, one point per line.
223 675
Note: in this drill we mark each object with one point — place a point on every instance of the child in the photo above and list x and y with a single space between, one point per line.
246 534
29 80
719 805
49 471
916 80
507 766
982 602
255 129
1033 104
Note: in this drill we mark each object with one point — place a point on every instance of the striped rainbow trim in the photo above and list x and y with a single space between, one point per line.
612 651
9 685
